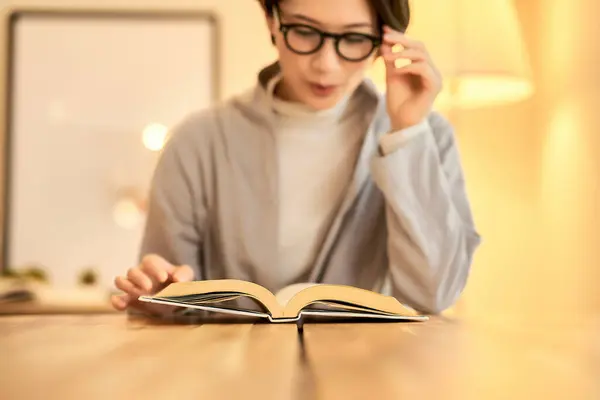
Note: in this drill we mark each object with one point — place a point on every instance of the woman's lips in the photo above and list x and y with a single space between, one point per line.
321 90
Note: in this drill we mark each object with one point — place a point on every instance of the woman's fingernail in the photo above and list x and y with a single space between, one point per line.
119 302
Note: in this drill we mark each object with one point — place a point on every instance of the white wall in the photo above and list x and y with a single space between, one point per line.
41 235
85 91
246 43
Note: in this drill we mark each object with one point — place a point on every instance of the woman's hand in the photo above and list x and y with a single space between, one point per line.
148 278
413 81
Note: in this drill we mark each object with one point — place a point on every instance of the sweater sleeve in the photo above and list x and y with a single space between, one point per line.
431 233
175 215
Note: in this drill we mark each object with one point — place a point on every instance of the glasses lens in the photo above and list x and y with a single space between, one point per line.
303 39
355 47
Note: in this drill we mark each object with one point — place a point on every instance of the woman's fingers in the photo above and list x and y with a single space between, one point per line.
125 301
411 49
421 69
120 301
407 54
153 262
127 286
183 273
153 274
155 271
140 279
393 37
413 59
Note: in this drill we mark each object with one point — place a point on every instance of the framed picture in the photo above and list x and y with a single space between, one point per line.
91 96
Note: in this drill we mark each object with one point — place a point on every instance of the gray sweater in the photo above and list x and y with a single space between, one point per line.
404 228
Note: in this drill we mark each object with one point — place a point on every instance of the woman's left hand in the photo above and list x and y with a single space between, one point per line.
412 86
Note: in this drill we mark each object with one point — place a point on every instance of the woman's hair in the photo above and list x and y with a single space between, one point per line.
395 13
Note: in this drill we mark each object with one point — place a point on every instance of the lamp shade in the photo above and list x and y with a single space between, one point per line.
478 47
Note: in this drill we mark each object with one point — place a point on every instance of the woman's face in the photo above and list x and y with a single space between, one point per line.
319 76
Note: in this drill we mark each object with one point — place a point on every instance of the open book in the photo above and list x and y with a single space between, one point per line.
287 305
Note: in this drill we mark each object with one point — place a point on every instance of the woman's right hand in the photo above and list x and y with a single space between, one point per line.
152 275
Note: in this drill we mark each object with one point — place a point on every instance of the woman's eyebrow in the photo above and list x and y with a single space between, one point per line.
348 26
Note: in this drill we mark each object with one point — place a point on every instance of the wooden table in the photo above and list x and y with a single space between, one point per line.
119 357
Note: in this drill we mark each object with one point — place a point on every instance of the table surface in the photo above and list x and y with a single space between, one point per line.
122 357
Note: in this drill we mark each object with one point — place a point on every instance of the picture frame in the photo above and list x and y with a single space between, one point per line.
177 54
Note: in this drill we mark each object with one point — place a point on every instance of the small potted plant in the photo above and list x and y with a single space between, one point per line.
29 273
88 277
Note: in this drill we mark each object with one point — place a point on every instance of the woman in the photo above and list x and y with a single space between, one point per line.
313 176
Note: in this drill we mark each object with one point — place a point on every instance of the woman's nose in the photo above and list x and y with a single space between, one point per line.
326 59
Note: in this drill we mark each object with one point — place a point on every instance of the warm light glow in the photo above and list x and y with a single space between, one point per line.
487 90
155 136
477 47
443 102
565 163
127 214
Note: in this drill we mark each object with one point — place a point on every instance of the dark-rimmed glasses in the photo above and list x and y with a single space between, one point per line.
305 39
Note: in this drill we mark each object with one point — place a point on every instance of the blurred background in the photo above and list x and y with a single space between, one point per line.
521 89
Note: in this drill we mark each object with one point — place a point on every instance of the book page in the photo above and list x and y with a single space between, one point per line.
199 291
345 296
284 295
333 306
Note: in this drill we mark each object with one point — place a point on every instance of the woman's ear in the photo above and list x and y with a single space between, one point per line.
270 21
377 54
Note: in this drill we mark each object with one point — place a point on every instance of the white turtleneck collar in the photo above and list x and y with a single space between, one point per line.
294 110
317 151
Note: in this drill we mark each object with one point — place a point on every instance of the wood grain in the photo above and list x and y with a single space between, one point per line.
121 357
